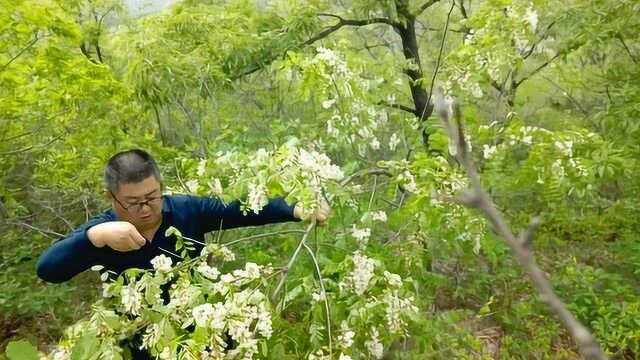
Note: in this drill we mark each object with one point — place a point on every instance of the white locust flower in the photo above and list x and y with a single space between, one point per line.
328 103
319 296
215 186
379 216
345 339
203 314
151 336
209 272
361 235
375 144
398 307
257 198
488 151
131 299
192 186
394 140
61 354
162 263
202 167
394 280
374 346
363 268
531 16
263 324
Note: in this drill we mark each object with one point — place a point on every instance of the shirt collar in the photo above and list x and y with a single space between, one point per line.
166 204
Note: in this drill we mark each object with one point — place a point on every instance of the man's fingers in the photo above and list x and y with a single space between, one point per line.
128 245
138 239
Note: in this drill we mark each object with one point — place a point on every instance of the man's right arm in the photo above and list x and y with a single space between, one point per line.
73 254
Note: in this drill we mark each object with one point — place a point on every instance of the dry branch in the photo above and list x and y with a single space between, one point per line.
478 198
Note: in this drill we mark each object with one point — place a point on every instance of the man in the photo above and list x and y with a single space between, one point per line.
132 232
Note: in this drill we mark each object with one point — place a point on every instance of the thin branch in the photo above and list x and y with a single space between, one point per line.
29 45
346 22
463 10
537 70
361 22
285 271
324 296
424 7
435 71
263 235
85 52
32 147
399 107
542 37
526 237
373 193
619 36
321 35
184 186
365 172
565 93
44 232
477 197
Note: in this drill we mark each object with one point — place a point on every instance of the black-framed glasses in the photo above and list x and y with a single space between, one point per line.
137 207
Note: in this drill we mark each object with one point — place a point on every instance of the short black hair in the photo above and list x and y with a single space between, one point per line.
130 166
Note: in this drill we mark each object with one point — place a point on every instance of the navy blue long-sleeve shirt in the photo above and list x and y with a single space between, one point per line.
194 216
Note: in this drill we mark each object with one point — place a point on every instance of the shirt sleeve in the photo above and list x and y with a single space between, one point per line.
71 255
216 215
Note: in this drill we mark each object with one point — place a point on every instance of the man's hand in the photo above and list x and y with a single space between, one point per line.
321 215
118 235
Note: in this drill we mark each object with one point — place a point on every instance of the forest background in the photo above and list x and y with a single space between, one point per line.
226 93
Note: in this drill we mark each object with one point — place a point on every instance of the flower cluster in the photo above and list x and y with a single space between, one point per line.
362 274
350 117
162 263
498 42
306 175
361 235
205 312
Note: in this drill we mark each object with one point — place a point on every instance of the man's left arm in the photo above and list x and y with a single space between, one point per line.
215 214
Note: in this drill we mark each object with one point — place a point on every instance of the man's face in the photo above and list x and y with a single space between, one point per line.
139 203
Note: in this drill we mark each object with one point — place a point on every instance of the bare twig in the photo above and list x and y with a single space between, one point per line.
44 232
435 70
292 260
425 6
537 70
478 198
263 235
399 107
365 172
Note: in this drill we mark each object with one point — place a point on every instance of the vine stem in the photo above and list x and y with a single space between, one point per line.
292 260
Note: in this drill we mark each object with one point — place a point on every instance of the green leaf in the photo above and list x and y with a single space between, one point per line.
21 350
86 347
173 231
277 352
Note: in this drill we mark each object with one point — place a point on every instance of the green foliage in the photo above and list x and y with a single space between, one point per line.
21 350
